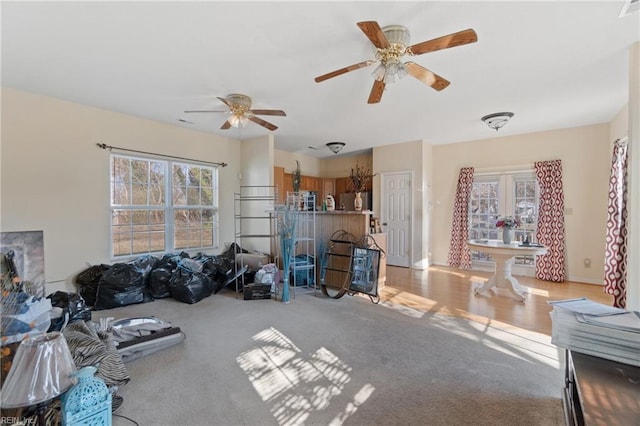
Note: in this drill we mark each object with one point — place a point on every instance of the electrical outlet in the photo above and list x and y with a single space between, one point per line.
587 263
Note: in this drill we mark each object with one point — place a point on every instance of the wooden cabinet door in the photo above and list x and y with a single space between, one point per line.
341 186
317 185
278 181
328 187
304 183
288 184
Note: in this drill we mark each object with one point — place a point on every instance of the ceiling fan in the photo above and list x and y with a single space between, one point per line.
241 112
392 43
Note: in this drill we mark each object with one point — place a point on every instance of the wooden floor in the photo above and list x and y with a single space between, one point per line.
450 291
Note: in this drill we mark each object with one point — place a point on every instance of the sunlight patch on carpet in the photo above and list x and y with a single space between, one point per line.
403 309
296 385
513 341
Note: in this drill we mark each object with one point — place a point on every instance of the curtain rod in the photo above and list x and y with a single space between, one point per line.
109 147
520 168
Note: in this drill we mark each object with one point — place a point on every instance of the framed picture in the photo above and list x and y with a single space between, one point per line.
365 266
27 248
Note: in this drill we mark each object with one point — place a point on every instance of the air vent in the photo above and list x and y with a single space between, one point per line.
629 7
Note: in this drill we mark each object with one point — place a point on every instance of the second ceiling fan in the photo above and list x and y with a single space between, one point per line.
241 112
392 43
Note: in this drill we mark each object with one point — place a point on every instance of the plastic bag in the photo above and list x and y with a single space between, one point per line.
190 287
160 277
74 308
123 284
217 268
88 281
145 264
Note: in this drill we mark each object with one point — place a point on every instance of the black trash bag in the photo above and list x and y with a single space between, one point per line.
176 256
232 250
160 277
123 284
74 308
88 281
190 287
211 268
145 264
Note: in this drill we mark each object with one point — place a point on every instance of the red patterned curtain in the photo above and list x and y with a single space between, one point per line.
615 261
459 253
550 266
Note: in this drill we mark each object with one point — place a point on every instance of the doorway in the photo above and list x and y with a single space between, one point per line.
396 216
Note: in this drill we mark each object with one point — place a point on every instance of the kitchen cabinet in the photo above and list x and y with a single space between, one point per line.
278 181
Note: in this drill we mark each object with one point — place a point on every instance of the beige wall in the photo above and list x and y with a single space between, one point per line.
55 178
618 128
257 171
585 156
337 167
309 166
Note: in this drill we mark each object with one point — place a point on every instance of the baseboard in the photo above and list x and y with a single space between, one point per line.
582 280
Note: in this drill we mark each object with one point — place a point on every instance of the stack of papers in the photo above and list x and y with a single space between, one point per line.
596 329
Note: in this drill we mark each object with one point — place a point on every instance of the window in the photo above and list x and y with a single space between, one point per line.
496 195
154 210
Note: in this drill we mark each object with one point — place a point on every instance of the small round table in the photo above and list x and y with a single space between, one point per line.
503 255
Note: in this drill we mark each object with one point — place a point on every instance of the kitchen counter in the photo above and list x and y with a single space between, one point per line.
363 212
356 223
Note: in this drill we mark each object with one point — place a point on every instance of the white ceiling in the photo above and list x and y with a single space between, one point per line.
554 64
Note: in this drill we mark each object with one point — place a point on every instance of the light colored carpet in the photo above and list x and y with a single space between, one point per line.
319 361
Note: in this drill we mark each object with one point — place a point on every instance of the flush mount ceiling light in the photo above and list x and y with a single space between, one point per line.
497 119
335 147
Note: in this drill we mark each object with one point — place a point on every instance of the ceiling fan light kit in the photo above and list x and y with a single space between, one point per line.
390 67
497 119
335 147
391 43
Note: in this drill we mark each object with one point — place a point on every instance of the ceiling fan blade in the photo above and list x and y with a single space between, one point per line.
224 101
267 112
344 70
261 122
226 125
376 92
444 42
427 77
204 111
374 33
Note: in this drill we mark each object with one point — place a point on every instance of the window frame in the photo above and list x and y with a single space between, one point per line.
506 206
168 207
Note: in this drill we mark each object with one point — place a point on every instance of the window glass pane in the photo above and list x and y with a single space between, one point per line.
193 196
157 240
179 175
120 194
194 176
156 195
121 170
139 172
139 195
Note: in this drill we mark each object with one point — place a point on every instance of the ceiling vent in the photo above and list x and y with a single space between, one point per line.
629 7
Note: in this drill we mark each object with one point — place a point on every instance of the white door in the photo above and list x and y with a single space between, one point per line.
396 216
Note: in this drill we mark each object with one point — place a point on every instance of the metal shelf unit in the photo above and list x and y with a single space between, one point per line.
303 264
254 226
